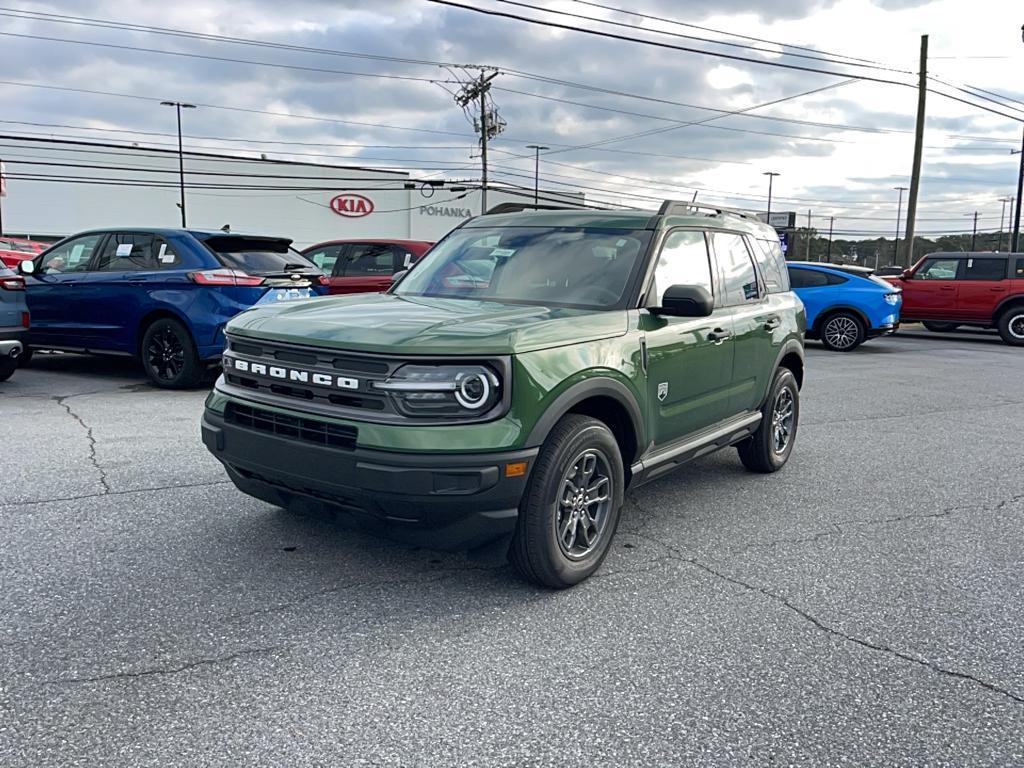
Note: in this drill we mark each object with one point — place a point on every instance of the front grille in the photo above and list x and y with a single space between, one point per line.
294 427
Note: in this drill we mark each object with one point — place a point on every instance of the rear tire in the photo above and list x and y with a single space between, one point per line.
769 448
940 327
169 355
25 358
571 508
7 368
842 332
1011 326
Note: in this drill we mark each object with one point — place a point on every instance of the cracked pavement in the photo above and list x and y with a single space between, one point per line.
863 606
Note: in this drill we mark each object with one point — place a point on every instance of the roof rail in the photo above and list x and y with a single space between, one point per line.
517 207
683 207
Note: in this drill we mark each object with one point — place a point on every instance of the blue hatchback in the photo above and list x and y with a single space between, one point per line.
845 305
161 295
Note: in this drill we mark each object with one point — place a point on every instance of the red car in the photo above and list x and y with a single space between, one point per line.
947 290
364 266
13 250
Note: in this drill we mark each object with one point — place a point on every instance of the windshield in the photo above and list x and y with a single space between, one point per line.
570 267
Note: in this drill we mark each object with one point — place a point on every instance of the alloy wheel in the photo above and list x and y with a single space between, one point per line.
783 416
165 354
584 504
841 332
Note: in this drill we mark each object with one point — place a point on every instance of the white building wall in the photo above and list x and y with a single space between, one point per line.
49 196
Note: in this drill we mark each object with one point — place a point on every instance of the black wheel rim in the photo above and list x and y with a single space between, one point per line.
584 504
783 418
841 332
165 355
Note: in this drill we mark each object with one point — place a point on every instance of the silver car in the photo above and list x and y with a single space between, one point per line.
13 321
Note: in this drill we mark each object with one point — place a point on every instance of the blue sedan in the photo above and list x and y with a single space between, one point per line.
160 295
845 305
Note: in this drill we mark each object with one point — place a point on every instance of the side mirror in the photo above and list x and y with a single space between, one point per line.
27 267
686 301
906 274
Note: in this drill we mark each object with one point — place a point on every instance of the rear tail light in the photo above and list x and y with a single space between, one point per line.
224 277
12 283
24 319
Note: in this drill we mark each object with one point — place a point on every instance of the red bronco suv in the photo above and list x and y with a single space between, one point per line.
947 290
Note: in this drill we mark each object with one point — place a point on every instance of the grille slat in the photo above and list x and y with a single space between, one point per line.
309 430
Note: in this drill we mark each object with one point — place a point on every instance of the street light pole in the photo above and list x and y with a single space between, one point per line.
1015 243
178 106
536 169
899 212
771 177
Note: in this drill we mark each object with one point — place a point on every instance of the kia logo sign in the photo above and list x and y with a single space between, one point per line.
352 206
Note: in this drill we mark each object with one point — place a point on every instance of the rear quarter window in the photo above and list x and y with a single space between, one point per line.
773 265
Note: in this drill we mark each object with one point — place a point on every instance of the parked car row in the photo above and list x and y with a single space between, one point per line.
14 250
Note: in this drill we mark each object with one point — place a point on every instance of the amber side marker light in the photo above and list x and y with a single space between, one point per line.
515 469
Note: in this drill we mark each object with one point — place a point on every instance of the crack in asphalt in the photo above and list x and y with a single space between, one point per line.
782 600
169 670
62 402
34 502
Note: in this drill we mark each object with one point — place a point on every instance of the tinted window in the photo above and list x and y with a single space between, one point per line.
325 257
938 269
73 256
683 261
739 278
567 266
1018 271
126 252
367 260
773 266
834 279
985 269
257 256
807 278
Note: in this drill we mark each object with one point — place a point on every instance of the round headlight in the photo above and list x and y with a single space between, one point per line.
473 390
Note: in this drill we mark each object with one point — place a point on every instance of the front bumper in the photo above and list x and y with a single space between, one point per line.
441 500
886 329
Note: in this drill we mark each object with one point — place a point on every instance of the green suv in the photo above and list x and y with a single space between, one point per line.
525 372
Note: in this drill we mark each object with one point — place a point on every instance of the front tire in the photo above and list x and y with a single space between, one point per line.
769 448
169 355
8 366
842 332
935 327
571 507
1011 326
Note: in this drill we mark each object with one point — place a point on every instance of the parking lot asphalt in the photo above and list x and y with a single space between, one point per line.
864 606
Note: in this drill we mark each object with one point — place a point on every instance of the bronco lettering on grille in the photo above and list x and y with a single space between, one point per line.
291 374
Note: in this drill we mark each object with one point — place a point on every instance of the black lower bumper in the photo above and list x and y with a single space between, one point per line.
883 330
16 333
446 501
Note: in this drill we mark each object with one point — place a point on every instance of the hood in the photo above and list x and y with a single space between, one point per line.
384 323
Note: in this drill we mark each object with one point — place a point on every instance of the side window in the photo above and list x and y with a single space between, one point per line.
938 269
683 261
773 266
164 254
739 280
369 260
127 252
403 259
73 256
985 269
835 279
325 257
807 278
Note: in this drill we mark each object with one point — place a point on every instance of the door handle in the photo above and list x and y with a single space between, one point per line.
947 288
772 322
719 335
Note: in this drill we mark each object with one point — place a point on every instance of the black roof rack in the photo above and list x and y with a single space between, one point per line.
517 207
686 207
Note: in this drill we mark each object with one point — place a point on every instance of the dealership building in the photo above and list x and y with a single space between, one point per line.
58 187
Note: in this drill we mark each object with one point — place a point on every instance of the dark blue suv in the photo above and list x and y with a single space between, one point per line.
161 295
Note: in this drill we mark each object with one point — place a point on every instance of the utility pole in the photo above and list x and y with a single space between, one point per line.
3 194
536 169
771 177
899 211
489 124
974 235
808 251
1002 219
178 105
1015 246
915 176
831 221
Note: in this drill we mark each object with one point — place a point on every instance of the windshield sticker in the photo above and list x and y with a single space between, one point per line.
500 253
164 256
124 249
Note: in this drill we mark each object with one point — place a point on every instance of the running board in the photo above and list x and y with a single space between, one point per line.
669 457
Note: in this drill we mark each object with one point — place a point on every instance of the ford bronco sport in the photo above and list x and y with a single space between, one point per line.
519 378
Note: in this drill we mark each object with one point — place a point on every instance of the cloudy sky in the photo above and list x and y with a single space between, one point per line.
617 115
